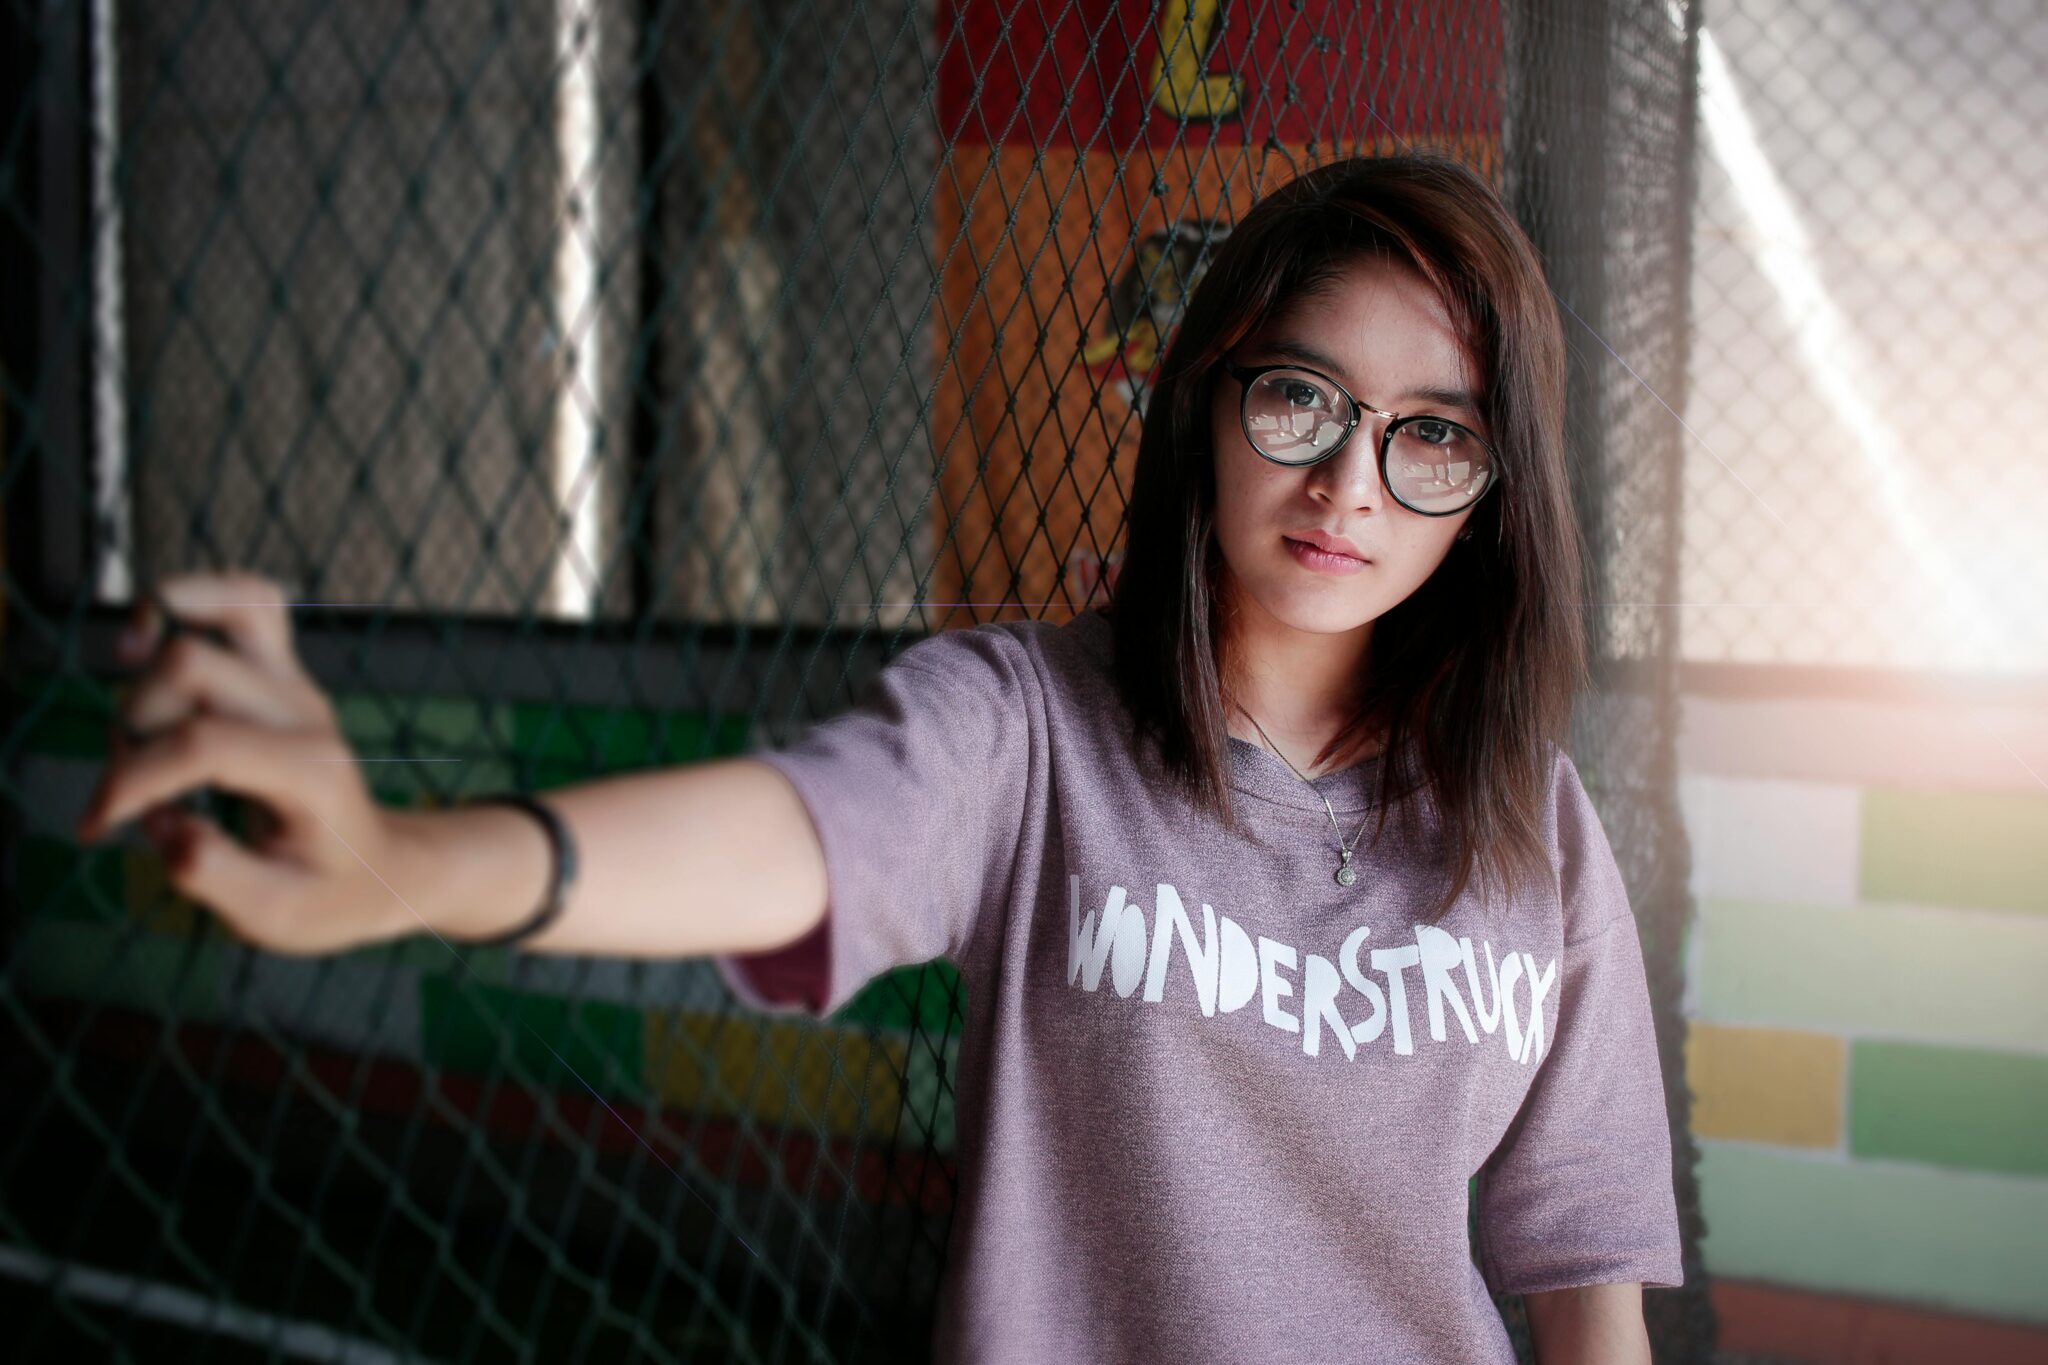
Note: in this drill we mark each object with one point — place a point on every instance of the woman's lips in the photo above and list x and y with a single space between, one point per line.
1322 560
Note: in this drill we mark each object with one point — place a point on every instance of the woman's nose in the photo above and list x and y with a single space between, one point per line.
1351 477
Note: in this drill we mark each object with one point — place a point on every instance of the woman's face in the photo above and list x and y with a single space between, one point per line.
1380 331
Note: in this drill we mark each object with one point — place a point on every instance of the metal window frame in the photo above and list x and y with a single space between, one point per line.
50 516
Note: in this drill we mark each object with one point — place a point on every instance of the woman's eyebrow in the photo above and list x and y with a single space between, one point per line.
1447 395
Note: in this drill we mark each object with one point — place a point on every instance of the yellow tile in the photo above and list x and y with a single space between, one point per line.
1766 1085
777 1072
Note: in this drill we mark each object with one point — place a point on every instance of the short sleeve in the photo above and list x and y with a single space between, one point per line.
917 794
1580 1189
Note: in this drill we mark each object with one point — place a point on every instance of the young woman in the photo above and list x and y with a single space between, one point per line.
1282 915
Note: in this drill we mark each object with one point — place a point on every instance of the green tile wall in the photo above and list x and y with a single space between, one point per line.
1960 1241
479 736
117 964
568 743
1949 1106
908 998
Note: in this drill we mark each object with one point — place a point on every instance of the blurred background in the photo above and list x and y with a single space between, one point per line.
579 364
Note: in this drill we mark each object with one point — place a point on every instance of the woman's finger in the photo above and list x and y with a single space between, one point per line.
204 864
253 611
195 675
221 751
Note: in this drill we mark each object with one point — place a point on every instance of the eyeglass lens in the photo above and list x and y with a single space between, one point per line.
1433 463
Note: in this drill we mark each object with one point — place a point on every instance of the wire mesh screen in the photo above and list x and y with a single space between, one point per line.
1869 265
621 384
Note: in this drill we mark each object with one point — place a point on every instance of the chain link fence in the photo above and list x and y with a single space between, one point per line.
1869 282
623 383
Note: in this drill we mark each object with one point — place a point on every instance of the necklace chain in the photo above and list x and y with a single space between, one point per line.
1345 876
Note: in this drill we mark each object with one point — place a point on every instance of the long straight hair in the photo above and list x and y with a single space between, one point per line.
1470 679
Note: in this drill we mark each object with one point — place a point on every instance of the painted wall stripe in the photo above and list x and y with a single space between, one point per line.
1968 849
1911 736
480 734
1766 1085
354 1002
533 1041
119 964
1884 970
795 1073
1949 1106
722 1151
1956 1240
919 997
571 742
1760 840
805 1074
1763 1323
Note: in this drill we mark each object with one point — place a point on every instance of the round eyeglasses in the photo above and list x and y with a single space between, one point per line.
1297 416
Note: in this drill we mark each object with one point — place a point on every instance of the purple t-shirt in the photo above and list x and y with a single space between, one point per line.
1211 1104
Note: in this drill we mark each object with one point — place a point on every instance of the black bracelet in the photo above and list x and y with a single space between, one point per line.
564 867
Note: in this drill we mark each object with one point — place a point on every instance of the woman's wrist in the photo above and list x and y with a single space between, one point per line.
467 872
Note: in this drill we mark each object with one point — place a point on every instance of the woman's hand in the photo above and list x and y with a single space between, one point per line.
248 719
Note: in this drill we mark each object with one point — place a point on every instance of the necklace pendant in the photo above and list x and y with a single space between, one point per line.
1345 876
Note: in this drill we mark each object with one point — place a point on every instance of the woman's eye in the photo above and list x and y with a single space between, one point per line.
1300 394
1436 433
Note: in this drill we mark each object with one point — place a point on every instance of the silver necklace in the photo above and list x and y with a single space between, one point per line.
1345 875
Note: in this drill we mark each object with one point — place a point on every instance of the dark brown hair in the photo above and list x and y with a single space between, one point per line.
1471 677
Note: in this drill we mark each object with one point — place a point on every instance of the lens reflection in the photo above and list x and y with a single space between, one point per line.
1293 416
1435 465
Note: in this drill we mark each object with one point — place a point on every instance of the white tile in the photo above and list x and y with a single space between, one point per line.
1761 839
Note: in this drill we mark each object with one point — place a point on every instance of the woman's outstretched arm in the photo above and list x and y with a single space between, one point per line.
714 857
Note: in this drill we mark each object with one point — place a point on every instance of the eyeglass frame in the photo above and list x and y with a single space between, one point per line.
1245 374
